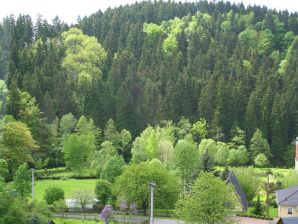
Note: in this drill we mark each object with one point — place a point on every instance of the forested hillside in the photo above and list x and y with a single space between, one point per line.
148 63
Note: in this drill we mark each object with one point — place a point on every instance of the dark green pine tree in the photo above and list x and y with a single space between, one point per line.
258 207
207 162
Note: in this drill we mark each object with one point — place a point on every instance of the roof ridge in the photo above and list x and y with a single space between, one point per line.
286 198
292 187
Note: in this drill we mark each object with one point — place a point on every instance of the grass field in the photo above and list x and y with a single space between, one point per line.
69 186
75 221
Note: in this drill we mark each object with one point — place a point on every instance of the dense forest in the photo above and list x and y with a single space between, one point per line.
214 70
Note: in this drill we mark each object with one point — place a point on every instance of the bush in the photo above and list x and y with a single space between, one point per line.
39 213
290 179
261 160
53 194
59 206
103 191
249 181
112 168
258 207
3 168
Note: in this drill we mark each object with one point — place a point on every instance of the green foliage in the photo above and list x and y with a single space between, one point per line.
258 207
288 39
53 194
207 162
83 62
290 55
222 154
261 160
170 44
132 185
248 38
289 154
265 42
209 146
126 138
39 213
199 130
226 26
78 151
16 144
153 143
207 203
111 134
156 61
11 209
290 179
2 184
21 105
3 169
24 108
259 145
83 197
144 147
59 206
249 181
173 26
238 157
238 154
85 126
3 92
165 151
103 191
101 157
67 124
22 181
152 30
112 168
183 128
186 160
238 137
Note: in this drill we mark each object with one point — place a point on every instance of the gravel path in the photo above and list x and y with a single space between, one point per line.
167 221
246 220
240 220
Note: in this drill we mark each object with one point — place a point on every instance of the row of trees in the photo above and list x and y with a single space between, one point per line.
82 146
155 61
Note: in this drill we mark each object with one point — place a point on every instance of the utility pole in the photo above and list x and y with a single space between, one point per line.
32 184
152 185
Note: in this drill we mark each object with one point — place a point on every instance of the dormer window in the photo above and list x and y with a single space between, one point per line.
290 211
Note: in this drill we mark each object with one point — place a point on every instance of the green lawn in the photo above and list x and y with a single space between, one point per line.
272 211
275 171
74 221
69 186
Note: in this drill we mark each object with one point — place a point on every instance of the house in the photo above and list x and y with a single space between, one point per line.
287 202
231 179
288 220
74 204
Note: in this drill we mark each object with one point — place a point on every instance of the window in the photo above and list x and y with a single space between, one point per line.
290 211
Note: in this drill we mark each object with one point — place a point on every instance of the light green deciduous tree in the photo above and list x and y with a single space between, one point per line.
211 202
